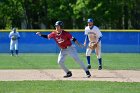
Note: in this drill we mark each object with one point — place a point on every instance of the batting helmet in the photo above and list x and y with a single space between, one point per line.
60 23
90 20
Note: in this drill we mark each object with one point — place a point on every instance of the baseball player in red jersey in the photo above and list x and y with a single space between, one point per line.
63 39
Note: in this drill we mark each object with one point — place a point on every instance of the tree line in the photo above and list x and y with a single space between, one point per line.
42 14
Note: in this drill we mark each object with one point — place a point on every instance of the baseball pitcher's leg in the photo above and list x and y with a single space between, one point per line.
16 48
88 53
12 48
98 54
73 53
100 63
12 53
61 59
16 52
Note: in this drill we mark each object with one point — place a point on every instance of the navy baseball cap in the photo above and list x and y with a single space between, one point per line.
90 20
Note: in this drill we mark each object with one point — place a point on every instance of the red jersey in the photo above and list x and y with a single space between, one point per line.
63 39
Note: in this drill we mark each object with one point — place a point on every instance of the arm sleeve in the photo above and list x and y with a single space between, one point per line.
86 37
99 39
73 39
99 35
44 36
51 35
10 35
69 36
86 31
18 34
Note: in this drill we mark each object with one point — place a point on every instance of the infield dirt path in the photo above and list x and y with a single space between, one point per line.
78 74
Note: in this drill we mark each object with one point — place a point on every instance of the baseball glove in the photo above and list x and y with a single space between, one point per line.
92 45
13 38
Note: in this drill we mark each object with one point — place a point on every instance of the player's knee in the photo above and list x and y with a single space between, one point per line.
88 52
11 48
59 62
77 60
98 56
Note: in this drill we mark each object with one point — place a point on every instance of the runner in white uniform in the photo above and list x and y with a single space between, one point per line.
94 36
14 36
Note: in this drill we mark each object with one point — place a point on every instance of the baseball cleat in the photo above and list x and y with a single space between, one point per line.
69 74
12 54
89 67
100 68
88 74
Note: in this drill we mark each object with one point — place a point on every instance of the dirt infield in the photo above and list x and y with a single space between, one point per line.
78 74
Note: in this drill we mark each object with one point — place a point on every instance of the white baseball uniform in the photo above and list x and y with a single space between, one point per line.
14 43
93 35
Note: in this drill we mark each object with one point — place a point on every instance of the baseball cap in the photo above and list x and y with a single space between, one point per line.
90 20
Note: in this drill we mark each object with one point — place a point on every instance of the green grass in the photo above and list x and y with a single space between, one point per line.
114 61
68 87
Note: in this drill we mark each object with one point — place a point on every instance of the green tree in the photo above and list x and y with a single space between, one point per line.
61 10
11 13
107 14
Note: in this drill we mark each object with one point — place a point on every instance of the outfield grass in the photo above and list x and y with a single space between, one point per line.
68 87
113 61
